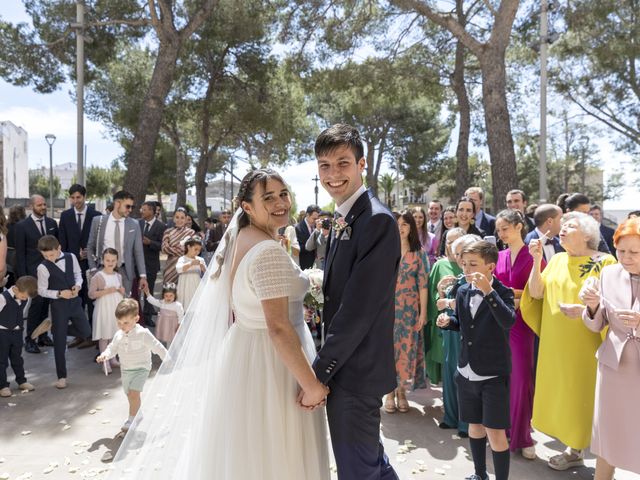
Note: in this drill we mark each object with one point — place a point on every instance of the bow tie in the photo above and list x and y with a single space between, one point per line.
549 241
59 259
475 291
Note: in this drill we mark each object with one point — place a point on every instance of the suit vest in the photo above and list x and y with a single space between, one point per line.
59 280
11 314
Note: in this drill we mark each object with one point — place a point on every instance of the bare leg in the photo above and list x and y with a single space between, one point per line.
604 471
134 402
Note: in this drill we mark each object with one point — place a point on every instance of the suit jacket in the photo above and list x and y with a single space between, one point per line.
606 234
71 238
484 338
152 251
487 224
307 257
533 235
215 237
133 254
361 267
28 257
615 293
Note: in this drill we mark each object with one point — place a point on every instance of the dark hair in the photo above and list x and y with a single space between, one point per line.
77 188
169 288
325 213
247 189
151 204
16 214
531 209
110 251
595 207
634 213
435 200
195 240
414 238
313 208
515 191
574 200
194 225
123 195
561 201
3 222
181 210
127 308
488 252
544 212
28 285
465 199
339 135
514 217
48 243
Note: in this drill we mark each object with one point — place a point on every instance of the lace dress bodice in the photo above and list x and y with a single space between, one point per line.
266 272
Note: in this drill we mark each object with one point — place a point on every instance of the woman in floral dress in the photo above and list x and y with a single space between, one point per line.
172 244
411 314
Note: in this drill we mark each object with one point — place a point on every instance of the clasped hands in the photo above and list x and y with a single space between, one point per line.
314 398
70 293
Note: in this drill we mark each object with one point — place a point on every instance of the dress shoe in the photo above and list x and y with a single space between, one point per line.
149 322
86 343
45 341
5 392
31 347
26 387
44 327
61 383
75 342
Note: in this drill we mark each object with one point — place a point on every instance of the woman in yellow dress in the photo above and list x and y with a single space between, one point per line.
566 373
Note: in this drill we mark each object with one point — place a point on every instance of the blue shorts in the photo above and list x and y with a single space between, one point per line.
134 379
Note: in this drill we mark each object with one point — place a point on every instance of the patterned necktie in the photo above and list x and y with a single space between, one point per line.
117 242
80 221
42 232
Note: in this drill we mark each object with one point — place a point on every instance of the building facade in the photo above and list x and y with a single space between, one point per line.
14 161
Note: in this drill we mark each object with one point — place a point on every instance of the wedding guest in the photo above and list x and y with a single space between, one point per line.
17 213
207 239
190 268
444 281
289 241
448 222
304 229
513 269
548 219
3 248
152 234
517 200
192 224
613 303
428 240
434 223
410 315
578 202
484 314
483 221
466 218
170 313
172 246
319 239
605 232
566 370
219 229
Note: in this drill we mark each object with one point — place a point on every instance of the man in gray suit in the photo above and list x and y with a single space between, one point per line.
119 231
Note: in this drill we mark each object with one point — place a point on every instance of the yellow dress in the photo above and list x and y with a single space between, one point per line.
566 373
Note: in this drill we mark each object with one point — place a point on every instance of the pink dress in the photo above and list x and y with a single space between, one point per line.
169 318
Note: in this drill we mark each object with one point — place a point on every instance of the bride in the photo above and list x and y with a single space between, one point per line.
236 398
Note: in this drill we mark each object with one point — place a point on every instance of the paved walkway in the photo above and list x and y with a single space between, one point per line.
63 434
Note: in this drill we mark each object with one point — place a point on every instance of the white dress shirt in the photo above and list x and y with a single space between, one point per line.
349 202
3 303
109 234
134 348
436 226
150 222
83 215
43 276
38 222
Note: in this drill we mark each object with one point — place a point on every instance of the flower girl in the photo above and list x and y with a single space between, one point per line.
107 290
190 268
170 314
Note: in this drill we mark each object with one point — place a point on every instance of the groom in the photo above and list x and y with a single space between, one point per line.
357 359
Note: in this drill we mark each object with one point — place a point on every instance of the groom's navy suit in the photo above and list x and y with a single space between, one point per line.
357 359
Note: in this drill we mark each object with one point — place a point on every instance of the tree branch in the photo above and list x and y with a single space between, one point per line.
198 18
501 31
490 7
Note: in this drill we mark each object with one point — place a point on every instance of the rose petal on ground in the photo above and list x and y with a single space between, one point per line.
79 452
401 458
105 421
2 459
73 469
25 476
92 411
11 404
54 464
106 394
66 427
47 470
67 461
25 432
440 471
99 408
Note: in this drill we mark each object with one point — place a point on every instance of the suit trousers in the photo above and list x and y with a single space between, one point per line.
149 310
84 291
62 312
11 351
354 423
37 313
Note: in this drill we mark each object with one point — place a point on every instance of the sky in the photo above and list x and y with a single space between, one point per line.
55 113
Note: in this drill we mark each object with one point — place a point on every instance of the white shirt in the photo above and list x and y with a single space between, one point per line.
349 202
183 261
548 249
43 276
38 222
134 348
466 371
3 303
162 305
83 215
436 226
150 222
109 235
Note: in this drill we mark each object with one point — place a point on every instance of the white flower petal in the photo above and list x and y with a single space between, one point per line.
92 412
11 404
25 432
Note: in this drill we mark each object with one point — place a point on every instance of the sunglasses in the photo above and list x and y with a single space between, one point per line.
129 207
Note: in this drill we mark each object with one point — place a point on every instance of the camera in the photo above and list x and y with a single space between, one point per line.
326 223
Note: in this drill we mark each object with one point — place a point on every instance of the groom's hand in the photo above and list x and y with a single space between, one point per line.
317 397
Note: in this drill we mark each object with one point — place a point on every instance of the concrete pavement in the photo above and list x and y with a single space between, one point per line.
70 430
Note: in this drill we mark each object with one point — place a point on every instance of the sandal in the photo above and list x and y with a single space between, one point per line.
403 404
390 403
566 460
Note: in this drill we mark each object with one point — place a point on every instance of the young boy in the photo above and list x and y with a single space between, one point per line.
12 303
484 314
60 279
134 344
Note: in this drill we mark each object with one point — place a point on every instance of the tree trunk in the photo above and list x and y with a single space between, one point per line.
371 155
182 163
464 111
202 167
496 116
144 143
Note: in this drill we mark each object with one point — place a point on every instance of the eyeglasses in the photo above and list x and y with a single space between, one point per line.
129 207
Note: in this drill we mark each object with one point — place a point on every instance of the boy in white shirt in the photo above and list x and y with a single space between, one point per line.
134 345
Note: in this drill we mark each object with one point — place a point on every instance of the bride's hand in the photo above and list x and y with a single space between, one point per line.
314 398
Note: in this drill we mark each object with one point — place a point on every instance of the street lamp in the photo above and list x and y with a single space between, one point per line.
50 138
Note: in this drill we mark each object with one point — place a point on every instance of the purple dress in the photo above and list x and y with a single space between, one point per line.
521 342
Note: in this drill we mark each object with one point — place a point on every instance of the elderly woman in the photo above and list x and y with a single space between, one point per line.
172 244
615 302
566 373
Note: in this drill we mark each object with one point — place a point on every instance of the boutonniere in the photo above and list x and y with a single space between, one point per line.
340 225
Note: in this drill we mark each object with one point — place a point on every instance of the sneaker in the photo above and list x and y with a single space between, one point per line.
477 477
26 387
61 383
5 392
529 452
126 426
44 327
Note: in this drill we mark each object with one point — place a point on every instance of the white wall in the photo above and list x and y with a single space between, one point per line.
14 160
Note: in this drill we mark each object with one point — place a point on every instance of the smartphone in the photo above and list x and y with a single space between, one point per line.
491 239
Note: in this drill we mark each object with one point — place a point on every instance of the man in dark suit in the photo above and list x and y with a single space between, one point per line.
304 229
152 232
484 221
606 233
547 218
356 361
75 225
517 200
218 231
28 257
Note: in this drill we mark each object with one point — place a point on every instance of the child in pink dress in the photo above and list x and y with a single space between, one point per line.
170 314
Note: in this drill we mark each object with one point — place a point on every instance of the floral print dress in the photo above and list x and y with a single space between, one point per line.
413 275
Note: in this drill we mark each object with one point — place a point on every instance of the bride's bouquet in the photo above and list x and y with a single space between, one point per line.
314 299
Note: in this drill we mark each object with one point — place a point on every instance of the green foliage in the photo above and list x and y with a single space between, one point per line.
39 185
387 183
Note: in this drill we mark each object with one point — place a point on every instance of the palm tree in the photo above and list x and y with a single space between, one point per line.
387 182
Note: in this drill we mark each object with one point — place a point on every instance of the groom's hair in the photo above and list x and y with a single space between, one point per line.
339 135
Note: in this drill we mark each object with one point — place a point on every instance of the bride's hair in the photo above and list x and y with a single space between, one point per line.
248 187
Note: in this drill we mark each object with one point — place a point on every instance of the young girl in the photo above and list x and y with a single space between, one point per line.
170 315
107 290
190 267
